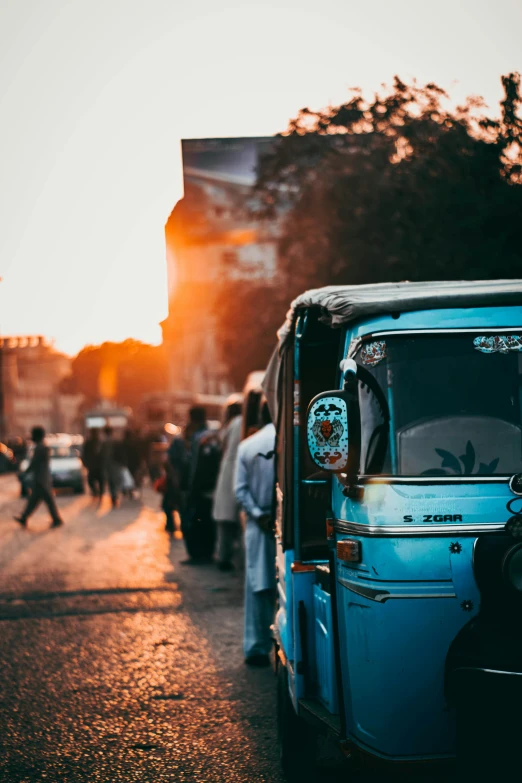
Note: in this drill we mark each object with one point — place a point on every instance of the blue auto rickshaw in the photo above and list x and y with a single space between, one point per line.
398 628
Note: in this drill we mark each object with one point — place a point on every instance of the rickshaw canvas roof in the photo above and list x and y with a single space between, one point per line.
343 304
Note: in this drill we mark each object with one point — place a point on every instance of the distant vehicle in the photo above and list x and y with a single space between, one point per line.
100 417
66 464
166 412
7 459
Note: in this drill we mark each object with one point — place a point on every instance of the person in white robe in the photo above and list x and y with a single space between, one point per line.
225 507
254 487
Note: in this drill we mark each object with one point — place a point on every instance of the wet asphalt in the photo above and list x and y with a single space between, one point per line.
117 663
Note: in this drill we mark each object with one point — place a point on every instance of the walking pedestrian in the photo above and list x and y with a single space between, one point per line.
156 446
203 456
171 483
42 486
112 463
225 509
91 458
254 487
171 501
133 459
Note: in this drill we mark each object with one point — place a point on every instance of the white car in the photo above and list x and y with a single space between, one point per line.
66 465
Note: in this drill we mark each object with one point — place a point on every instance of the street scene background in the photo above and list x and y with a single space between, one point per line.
173 177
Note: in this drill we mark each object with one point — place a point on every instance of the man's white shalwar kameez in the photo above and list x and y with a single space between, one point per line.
254 488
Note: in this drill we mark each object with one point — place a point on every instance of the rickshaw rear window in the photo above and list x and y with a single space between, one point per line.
454 404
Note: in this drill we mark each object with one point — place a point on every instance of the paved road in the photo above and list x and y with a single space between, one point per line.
9 488
118 663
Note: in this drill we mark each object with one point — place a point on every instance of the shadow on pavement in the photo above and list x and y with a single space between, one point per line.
214 603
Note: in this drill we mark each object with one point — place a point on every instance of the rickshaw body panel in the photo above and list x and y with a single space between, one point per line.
394 644
451 318
390 505
284 616
325 650
393 649
402 605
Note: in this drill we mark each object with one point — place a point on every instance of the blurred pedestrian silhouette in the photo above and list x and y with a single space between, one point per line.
19 448
155 447
203 455
225 507
133 458
172 481
39 471
254 485
91 458
112 463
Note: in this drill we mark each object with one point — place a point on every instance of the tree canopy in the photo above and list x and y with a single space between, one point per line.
403 186
119 372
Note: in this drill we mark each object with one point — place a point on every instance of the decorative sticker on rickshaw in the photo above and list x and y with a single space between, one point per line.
327 434
463 465
498 343
373 353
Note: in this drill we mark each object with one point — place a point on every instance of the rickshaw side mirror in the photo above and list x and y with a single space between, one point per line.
327 430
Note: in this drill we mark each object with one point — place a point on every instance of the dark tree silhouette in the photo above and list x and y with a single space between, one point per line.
247 316
400 187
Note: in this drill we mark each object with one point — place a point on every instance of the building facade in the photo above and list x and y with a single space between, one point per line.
211 239
31 373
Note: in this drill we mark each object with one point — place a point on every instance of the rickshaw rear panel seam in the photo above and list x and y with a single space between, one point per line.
380 531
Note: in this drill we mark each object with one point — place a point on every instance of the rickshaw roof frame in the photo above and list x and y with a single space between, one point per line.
340 305
343 304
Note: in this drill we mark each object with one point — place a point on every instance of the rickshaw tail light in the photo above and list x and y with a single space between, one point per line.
349 551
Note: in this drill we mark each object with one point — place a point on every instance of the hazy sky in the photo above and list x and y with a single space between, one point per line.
96 94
